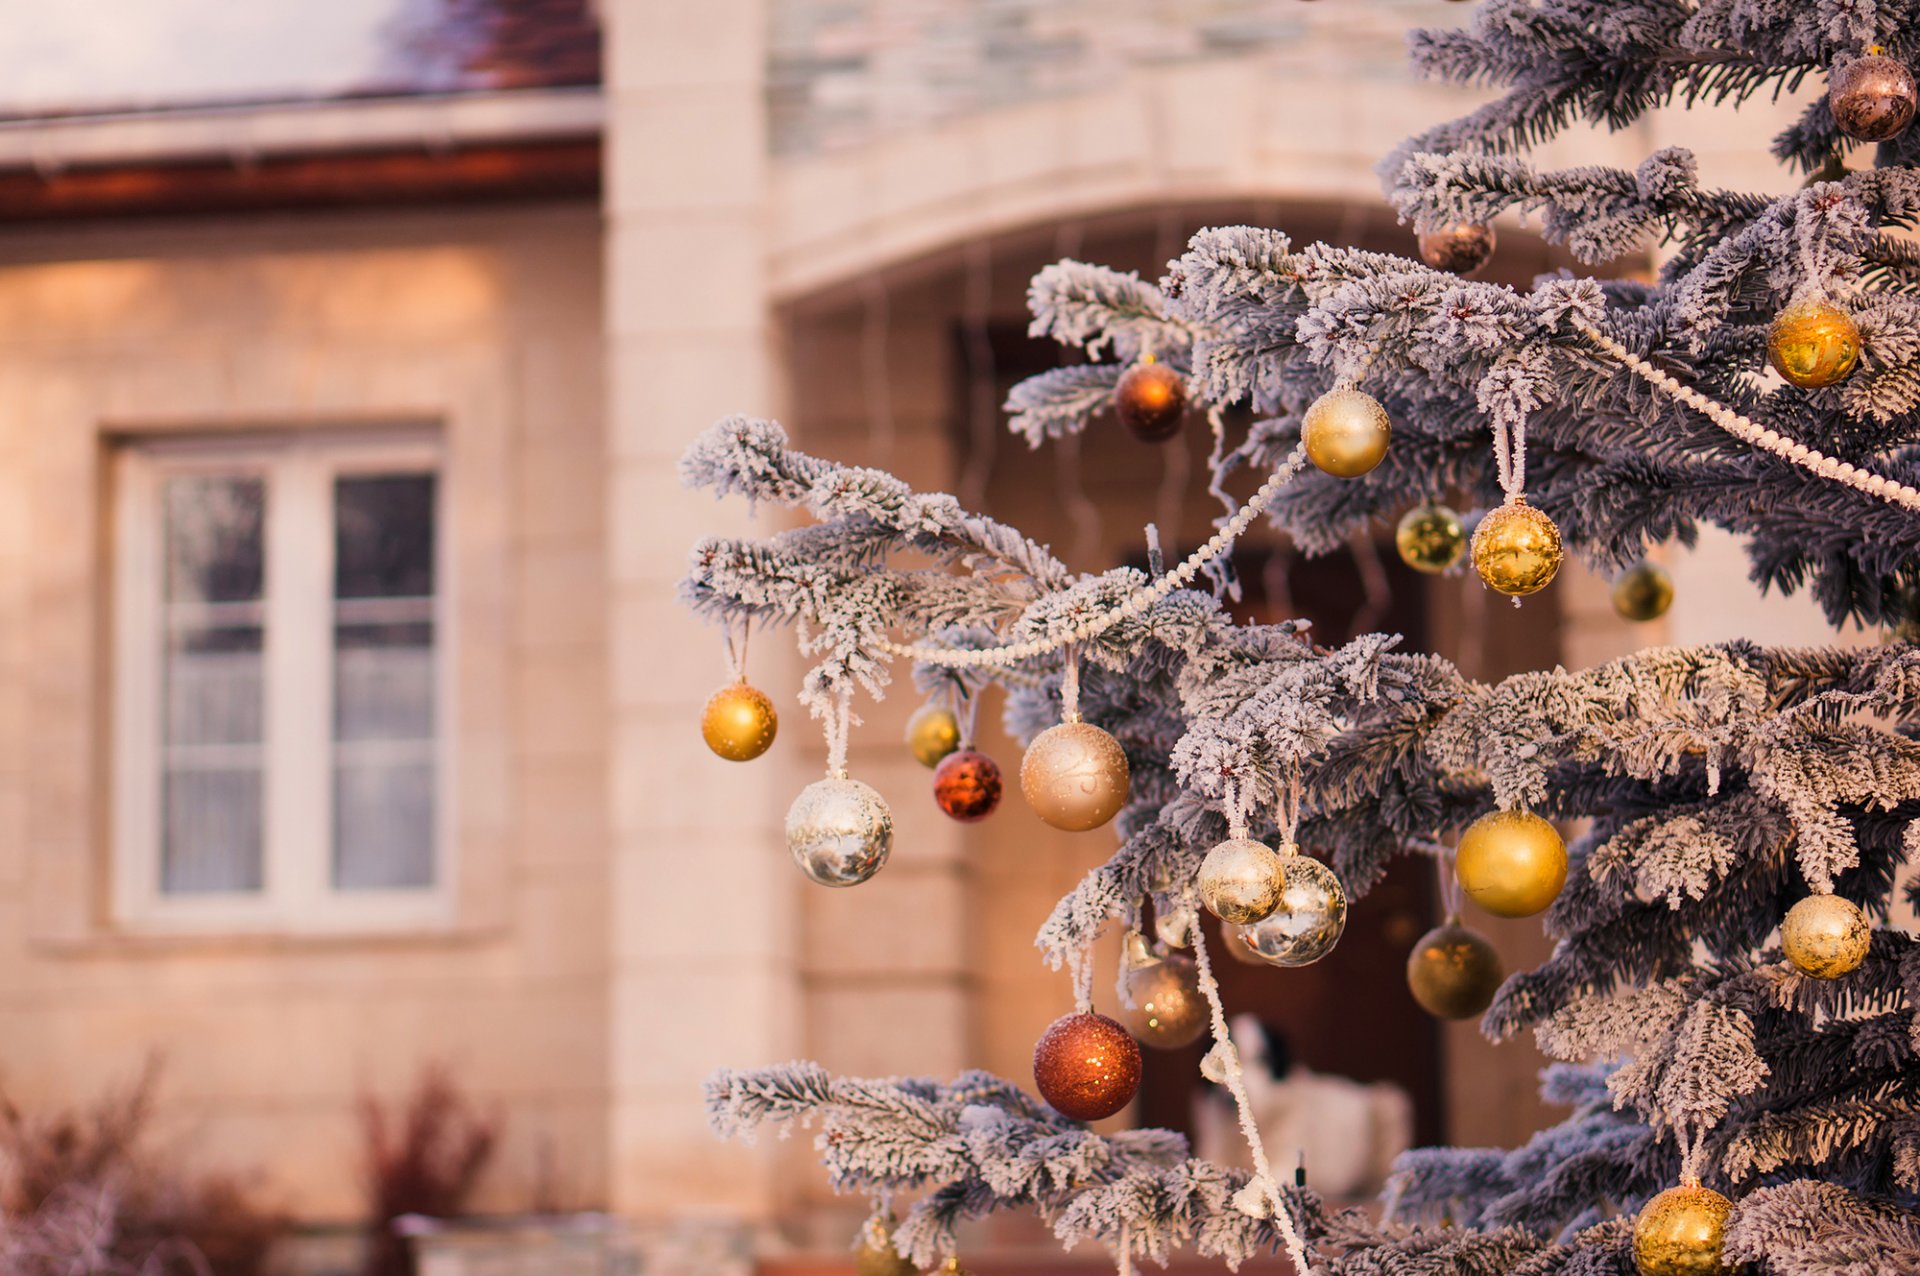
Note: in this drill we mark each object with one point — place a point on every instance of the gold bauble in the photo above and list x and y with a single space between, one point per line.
1512 863
1516 549
1680 1232
1826 936
1813 344
1461 247
1240 881
1309 921
876 1255
932 733
739 722
1430 538
840 831
1167 1011
952 1267
1453 972
1074 776
1346 432
1150 399
1643 592
1873 98
1234 940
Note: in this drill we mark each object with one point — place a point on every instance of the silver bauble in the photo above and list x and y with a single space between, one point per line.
1308 922
840 831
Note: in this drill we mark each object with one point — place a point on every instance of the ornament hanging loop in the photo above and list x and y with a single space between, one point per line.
1070 685
737 649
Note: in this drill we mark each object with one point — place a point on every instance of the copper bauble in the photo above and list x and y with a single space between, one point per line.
1516 549
1086 1066
1872 98
1346 432
1167 1010
1826 936
1643 592
966 785
1309 920
1430 538
1461 247
739 722
932 733
1813 344
840 831
1453 972
1680 1232
876 1255
1074 776
1150 400
1512 863
1240 881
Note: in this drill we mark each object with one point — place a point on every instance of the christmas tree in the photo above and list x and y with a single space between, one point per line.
1735 1018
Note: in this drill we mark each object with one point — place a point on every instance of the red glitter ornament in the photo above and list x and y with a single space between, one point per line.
1087 1066
966 785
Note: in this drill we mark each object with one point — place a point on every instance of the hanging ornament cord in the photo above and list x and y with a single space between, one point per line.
1236 810
1449 881
837 727
1510 456
1287 813
1070 686
737 649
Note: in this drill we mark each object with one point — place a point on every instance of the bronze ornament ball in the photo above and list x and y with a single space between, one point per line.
1680 1233
1346 432
1461 247
1826 936
877 1256
1168 1011
1074 776
1430 538
1872 98
1643 592
1453 972
1086 1066
966 785
1151 400
932 733
1240 881
1512 863
1516 549
839 831
739 722
1309 920
1813 344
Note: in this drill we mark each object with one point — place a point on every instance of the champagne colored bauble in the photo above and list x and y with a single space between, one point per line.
1516 549
932 733
1074 776
1453 972
1430 538
876 1255
1151 400
1240 881
1308 922
739 722
1643 592
840 831
1462 247
1813 344
1826 936
1512 863
1873 98
1086 1066
1234 940
952 1267
1346 432
1680 1232
1168 1011
966 785
1173 928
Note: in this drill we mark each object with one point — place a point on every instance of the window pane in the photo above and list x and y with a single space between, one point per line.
384 546
383 824
216 545
212 831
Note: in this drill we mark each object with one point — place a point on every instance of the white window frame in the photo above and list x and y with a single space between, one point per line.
297 894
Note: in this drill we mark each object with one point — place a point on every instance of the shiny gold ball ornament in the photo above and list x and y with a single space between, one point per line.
1512 863
1826 936
1516 549
966 785
1168 1011
1151 400
1086 1066
1873 98
840 831
932 733
1309 919
1234 940
1461 247
739 722
1346 432
1240 881
876 1255
1430 538
1074 776
1643 592
1453 972
1680 1232
1813 344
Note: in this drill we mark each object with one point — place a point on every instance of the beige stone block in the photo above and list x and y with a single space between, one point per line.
560 602
561 925
686 273
706 150
916 1027
905 922
667 1162
564 824
667 387
655 524
666 783
561 697
653 44
674 1023
561 493
683 898
666 661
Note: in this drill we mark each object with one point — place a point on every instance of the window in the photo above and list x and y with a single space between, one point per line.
280 711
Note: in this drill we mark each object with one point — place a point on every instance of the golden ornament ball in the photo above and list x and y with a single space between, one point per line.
932 733
1234 940
1086 1066
1074 776
1430 538
1453 972
1309 921
840 831
1461 247
1150 399
1240 881
952 1267
1643 592
877 1256
1516 549
739 722
1813 344
1512 863
1167 1011
1873 98
1680 1233
1346 432
1826 936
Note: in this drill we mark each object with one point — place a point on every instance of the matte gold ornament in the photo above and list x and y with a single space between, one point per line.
1240 881
739 722
1168 1012
932 733
1074 776
1309 920
1512 863
1430 538
1086 1066
1813 344
1873 98
1680 1232
1461 247
1516 549
1826 936
966 785
840 831
1453 972
1346 432
1643 592
1150 399
876 1255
